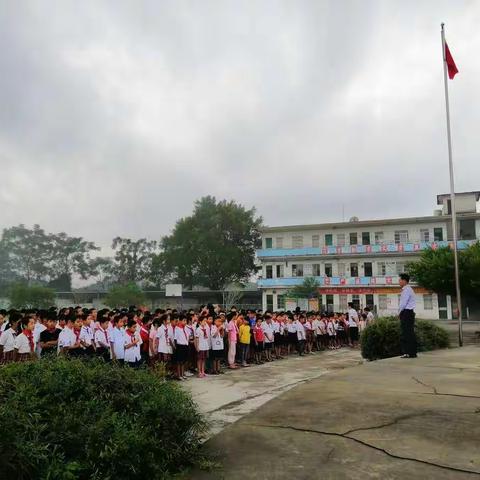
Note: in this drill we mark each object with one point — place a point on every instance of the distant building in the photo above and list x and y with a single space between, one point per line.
359 261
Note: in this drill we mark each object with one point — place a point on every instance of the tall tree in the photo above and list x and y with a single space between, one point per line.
309 288
435 270
29 251
70 255
213 247
132 259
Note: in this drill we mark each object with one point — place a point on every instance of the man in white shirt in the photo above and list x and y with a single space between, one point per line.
406 312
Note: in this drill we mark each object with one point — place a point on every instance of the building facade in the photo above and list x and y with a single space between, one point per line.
360 261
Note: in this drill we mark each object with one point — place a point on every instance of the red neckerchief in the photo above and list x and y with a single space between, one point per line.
77 333
167 340
204 332
105 332
29 335
131 335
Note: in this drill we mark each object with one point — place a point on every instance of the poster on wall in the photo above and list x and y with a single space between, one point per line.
313 304
290 304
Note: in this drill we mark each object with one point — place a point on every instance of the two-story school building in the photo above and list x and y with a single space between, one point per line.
359 261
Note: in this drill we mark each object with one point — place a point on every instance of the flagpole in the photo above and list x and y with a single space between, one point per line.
452 194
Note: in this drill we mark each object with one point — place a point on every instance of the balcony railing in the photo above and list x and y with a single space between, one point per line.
349 250
389 280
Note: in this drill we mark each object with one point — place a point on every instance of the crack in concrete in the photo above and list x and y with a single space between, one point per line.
426 385
369 445
446 394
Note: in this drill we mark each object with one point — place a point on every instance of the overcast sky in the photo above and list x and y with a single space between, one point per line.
116 115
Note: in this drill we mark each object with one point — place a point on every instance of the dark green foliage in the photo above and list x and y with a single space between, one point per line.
125 295
308 289
69 419
382 338
34 296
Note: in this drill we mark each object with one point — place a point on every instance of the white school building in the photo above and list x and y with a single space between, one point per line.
359 261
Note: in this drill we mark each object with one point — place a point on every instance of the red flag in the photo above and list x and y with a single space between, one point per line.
452 68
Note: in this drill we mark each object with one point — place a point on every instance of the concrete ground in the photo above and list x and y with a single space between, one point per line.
389 419
226 398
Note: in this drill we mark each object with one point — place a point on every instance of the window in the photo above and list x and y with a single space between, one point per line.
378 237
369 301
328 239
270 302
279 242
428 301
268 243
340 239
343 303
401 236
329 299
353 238
297 270
316 269
354 269
328 269
281 302
315 241
438 234
382 302
368 269
467 229
341 269
365 238
280 271
424 235
381 269
399 268
297 241
269 271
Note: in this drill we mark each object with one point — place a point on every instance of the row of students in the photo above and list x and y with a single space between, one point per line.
199 340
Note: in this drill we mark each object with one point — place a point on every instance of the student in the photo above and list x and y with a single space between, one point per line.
259 337
269 337
217 332
277 336
87 335
144 324
40 326
164 339
292 335
181 341
301 334
331 334
7 339
132 344
49 337
244 340
102 339
370 316
232 330
202 345
152 339
352 325
68 339
308 325
25 342
340 330
117 339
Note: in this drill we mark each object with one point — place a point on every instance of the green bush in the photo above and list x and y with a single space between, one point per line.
72 419
382 338
125 295
30 296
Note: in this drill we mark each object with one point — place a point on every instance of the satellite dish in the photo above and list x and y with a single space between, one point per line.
353 219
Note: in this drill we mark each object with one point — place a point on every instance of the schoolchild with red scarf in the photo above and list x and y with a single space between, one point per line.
25 342
133 342
181 342
202 345
102 339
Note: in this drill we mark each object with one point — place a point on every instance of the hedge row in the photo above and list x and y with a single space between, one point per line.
71 419
382 338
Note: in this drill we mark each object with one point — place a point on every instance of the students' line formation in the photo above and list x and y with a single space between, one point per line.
202 341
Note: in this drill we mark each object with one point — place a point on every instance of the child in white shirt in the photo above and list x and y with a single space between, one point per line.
132 342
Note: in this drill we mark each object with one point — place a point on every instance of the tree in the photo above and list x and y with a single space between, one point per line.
70 255
29 251
125 295
133 259
102 268
31 296
308 289
435 270
213 247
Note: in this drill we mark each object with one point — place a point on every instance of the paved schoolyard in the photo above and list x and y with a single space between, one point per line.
389 419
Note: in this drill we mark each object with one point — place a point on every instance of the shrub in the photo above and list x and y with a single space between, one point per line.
125 295
382 338
33 296
74 419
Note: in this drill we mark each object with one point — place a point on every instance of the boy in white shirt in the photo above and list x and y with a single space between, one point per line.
267 327
301 335
87 335
102 340
132 342
7 340
67 340
117 339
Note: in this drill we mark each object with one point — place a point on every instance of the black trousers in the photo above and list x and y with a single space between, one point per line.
408 341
